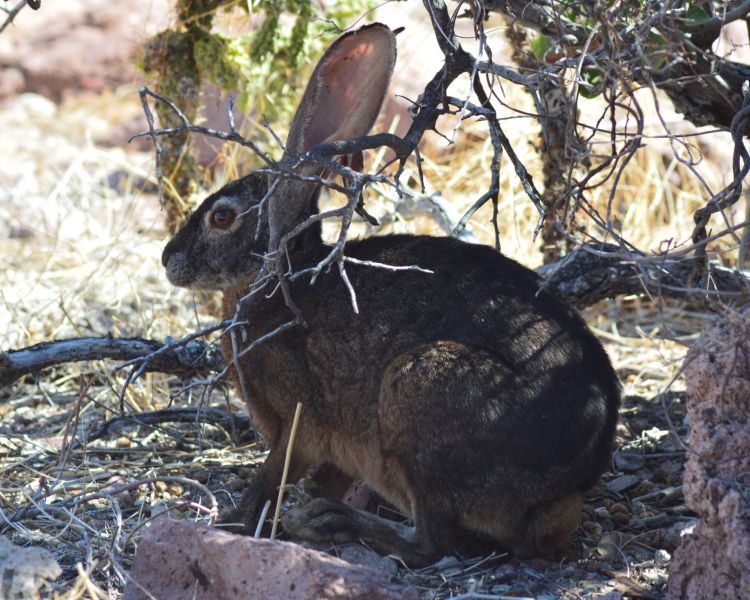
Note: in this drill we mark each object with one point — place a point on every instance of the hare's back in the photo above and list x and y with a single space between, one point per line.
534 358
472 295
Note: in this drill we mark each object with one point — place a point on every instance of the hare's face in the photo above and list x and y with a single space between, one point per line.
221 244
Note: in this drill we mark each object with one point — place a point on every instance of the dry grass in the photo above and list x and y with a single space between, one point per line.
80 258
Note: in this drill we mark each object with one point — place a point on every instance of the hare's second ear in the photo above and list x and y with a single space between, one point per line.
346 90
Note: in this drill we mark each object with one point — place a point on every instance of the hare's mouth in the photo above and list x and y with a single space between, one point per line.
177 274
180 274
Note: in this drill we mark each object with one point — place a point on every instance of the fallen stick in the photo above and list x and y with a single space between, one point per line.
196 358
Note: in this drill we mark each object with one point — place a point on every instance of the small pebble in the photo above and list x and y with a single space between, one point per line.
246 472
161 486
359 555
123 442
592 528
662 557
236 484
505 573
654 577
200 475
644 487
621 518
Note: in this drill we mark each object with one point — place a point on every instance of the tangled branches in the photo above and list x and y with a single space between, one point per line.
618 51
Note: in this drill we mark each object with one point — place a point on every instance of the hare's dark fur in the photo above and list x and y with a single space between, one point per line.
471 398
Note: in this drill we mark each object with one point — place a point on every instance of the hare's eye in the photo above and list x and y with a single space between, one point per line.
223 218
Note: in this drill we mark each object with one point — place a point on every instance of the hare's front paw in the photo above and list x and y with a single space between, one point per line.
322 520
233 520
244 517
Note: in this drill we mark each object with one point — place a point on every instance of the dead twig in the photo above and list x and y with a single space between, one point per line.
186 358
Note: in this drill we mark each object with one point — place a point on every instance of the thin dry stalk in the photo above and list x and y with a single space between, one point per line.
287 460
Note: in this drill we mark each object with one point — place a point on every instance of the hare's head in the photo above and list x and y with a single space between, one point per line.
220 245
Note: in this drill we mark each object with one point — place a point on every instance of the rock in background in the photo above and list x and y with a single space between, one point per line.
714 560
76 46
23 571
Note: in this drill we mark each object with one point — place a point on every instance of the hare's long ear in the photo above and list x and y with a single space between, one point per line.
346 90
341 102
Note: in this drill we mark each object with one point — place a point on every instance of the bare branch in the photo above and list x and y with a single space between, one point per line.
221 418
187 359
716 23
731 193
595 272
12 13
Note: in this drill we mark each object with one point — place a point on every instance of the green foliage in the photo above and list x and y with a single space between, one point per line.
220 60
697 15
595 78
293 33
658 47
269 65
540 45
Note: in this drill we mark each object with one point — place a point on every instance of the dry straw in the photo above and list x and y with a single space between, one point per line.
287 460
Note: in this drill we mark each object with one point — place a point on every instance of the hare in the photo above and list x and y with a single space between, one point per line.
466 394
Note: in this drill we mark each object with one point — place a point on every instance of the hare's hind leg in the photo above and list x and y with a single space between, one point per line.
322 520
329 482
547 528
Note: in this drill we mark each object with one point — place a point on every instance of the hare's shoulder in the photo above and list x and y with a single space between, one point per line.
446 257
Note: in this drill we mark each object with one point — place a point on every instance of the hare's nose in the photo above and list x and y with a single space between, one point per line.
169 250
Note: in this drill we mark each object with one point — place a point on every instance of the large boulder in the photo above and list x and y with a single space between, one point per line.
24 570
178 559
714 560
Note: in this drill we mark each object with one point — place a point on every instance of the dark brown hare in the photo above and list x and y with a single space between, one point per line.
472 399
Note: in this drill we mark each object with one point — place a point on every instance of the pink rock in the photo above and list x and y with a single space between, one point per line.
179 559
24 570
76 46
714 560
12 82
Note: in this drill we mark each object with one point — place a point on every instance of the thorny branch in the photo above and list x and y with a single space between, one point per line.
12 13
433 103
